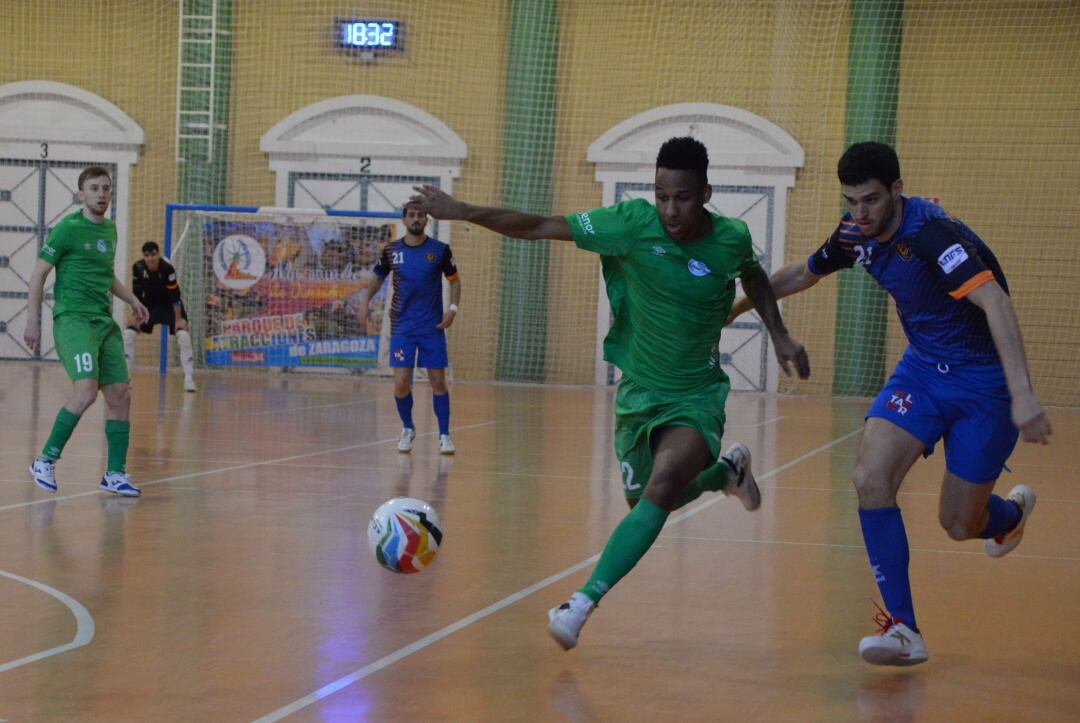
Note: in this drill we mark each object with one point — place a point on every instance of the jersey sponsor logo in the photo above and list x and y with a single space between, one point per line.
900 402
951 258
659 250
903 250
586 223
102 246
697 268
239 261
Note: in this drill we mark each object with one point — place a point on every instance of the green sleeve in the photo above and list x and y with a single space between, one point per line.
611 230
749 264
55 245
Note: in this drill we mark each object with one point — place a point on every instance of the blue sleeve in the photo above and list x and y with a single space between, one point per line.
955 257
447 265
836 253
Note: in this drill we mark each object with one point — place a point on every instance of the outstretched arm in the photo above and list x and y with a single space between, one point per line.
790 279
514 224
1027 414
788 351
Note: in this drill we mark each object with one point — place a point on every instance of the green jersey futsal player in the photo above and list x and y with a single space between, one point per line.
670 272
81 248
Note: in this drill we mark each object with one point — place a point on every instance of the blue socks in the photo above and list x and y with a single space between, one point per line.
1004 516
441 402
887 547
404 410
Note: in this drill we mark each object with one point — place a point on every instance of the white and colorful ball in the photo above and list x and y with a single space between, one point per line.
405 533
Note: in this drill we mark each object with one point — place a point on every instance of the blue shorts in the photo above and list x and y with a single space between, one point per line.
427 351
967 405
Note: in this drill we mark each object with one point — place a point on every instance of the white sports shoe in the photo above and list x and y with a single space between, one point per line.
189 384
404 443
894 644
565 622
446 445
44 474
1002 545
745 488
119 483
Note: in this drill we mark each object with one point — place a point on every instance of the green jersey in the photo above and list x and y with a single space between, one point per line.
669 299
82 252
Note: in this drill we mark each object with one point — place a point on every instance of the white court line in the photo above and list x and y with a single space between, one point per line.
84 630
387 660
233 468
774 420
315 406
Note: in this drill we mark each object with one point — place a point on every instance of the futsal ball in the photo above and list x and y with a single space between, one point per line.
405 533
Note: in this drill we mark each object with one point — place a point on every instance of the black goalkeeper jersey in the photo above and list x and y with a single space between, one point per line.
155 288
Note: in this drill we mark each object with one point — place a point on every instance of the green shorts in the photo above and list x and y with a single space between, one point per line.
91 347
639 411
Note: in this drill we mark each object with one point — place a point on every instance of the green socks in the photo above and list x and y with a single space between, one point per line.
61 433
713 478
117 434
628 543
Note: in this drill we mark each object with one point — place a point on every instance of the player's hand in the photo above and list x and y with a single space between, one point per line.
447 320
32 334
141 314
789 351
1030 418
438 204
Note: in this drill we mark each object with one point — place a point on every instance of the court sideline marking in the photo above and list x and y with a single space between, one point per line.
415 647
84 623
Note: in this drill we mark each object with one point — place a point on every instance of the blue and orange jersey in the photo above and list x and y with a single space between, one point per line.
417 306
929 266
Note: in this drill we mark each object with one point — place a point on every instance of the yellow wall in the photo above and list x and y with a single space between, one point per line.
124 52
987 122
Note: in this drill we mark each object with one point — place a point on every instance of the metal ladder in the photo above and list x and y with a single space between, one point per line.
196 86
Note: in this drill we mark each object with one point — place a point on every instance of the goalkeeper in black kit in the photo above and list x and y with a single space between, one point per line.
153 280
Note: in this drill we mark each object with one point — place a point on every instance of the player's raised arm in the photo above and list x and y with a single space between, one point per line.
507 222
788 351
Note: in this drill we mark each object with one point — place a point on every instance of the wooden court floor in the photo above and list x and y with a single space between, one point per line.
240 587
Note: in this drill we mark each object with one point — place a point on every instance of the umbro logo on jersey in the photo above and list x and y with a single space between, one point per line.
659 250
698 268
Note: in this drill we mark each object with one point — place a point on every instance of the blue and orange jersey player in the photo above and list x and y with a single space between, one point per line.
963 380
417 319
